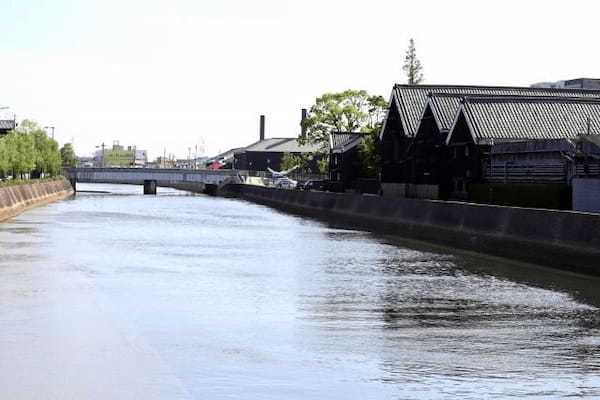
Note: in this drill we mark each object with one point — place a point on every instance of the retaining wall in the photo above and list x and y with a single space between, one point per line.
561 239
16 199
586 194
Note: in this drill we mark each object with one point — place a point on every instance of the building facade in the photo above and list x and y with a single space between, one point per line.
413 148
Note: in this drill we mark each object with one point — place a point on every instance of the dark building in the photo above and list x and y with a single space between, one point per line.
268 153
484 123
344 159
7 125
414 152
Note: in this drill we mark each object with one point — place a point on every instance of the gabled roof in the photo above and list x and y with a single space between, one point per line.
343 141
410 99
281 145
225 155
506 118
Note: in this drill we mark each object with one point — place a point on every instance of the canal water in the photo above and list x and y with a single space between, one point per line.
178 296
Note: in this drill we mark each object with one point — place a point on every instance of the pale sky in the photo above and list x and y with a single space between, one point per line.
159 74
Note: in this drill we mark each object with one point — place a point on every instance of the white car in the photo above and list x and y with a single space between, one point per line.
285 183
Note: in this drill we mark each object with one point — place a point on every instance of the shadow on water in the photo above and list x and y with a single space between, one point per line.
582 287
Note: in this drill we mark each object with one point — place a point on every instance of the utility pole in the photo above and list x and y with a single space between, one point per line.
189 156
196 157
102 146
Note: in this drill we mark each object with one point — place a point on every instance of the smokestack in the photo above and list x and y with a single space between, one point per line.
303 129
262 127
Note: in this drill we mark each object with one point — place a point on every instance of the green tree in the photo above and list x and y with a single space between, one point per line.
29 152
46 154
3 159
20 148
348 111
290 160
53 160
412 66
67 154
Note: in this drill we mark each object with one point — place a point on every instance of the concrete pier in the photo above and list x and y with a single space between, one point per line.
149 187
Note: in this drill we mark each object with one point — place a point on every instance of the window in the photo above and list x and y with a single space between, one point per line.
466 151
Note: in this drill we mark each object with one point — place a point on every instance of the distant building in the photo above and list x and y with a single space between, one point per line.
85 162
268 153
7 125
580 83
118 156
185 163
163 162
223 160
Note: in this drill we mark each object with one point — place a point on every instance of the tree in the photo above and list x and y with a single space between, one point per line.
46 156
21 153
412 66
67 154
4 166
28 152
348 111
290 160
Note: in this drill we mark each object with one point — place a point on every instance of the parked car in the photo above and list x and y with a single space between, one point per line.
285 183
314 185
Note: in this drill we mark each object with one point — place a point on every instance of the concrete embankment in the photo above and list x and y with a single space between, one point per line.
18 198
561 239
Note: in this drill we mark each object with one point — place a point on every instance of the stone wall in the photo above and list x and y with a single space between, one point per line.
16 199
562 239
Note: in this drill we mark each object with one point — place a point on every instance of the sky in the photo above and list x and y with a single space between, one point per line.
173 75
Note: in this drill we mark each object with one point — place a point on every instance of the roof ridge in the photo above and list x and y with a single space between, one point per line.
533 99
445 86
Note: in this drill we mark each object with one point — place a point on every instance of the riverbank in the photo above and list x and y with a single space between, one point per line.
560 239
19 198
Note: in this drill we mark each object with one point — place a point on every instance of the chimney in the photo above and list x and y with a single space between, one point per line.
303 129
262 127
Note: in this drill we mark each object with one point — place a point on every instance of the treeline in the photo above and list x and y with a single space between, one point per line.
28 152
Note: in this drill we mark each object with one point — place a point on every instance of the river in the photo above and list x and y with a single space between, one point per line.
179 296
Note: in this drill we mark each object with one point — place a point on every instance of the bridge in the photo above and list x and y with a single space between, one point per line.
203 180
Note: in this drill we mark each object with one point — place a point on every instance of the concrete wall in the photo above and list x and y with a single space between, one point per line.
394 189
562 239
16 199
416 191
586 195
421 191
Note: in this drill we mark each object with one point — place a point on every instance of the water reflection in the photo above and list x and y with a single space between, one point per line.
178 296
